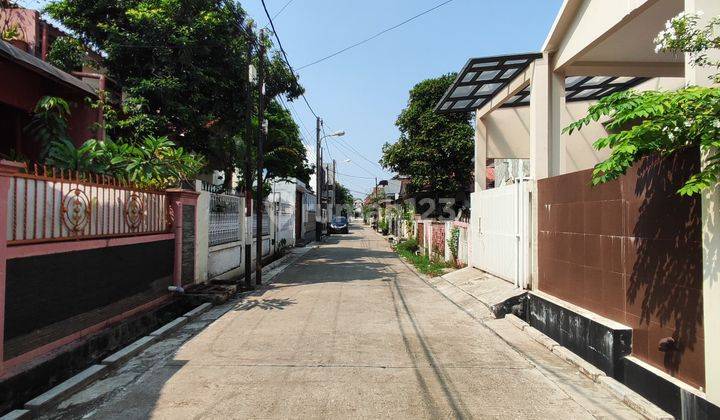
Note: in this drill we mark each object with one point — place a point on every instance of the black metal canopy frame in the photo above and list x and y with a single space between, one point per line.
482 78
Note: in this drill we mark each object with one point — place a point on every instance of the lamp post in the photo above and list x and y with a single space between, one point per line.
319 175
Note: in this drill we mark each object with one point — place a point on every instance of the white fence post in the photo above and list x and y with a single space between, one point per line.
202 221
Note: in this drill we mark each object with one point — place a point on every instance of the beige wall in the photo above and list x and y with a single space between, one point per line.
593 19
507 131
508 136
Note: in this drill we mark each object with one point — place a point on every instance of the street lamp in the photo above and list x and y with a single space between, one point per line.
335 134
318 172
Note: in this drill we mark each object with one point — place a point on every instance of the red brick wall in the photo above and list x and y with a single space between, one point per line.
630 250
438 238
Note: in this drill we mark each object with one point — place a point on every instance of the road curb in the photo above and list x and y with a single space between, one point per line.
66 388
16 415
631 398
170 327
198 311
129 351
517 322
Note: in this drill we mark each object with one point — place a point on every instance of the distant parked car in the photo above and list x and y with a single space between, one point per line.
339 224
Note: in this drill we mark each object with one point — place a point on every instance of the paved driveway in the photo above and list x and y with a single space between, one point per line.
346 332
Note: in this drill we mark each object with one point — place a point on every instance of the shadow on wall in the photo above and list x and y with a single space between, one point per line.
665 282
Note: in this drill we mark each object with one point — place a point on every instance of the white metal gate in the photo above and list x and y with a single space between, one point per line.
285 223
500 226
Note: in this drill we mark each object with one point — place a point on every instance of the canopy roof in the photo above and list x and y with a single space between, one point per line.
583 88
482 78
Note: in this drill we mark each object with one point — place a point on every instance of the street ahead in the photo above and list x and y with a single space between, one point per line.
347 331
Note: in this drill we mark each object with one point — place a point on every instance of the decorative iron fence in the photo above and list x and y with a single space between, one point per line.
224 225
46 204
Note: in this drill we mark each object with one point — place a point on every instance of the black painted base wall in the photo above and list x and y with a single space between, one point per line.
600 345
678 402
49 297
608 349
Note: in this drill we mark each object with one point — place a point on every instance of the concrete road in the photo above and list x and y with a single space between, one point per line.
347 332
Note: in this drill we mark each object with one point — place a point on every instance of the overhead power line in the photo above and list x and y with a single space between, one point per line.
284 54
373 174
384 31
282 9
356 176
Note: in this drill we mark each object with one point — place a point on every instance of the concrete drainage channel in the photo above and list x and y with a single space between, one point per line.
41 403
94 372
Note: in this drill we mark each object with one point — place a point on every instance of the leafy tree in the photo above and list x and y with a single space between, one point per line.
283 149
182 66
67 54
647 123
434 150
343 196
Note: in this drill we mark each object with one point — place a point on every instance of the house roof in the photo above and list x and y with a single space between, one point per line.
393 187
43 68
481 79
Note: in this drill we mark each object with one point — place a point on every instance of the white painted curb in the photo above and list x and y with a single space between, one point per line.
169 328
199 310
128 351
65 388
16 415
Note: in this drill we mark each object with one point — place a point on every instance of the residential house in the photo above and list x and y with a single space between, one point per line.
624 274
28 77
75 278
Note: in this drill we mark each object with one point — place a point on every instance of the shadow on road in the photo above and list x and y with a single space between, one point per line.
265 304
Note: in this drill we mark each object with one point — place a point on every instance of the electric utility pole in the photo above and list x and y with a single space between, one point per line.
334 200
247 172
318 181
375 204
261 135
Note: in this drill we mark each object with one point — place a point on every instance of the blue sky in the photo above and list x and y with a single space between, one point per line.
363 90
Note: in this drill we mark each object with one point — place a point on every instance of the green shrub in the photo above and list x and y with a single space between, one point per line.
383 224
155 163
454 242
407 250
410 245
